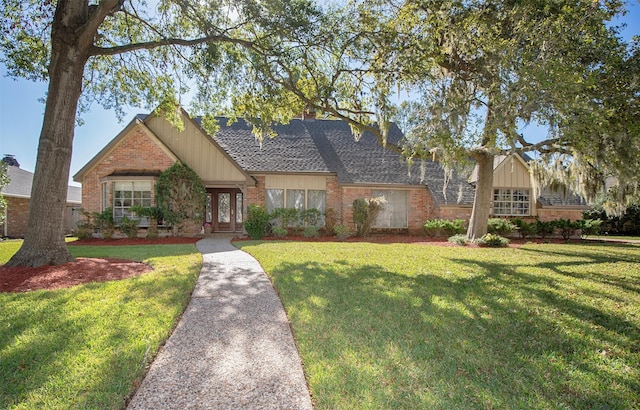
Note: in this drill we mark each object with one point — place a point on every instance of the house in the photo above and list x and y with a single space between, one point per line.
312 163
514 194
18 193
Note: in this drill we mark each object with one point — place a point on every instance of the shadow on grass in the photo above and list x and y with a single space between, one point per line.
87 346
371 337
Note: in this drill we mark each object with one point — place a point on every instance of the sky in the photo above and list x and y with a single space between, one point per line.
21 115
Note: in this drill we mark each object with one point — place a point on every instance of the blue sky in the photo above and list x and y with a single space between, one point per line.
21 115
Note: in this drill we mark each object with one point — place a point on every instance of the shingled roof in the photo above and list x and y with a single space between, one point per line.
21 181
328 146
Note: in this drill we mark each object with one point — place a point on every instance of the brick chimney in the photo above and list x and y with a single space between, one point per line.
10 160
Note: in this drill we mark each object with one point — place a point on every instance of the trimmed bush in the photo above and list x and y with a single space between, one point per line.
525 229
342 232
500 226
129 227
459 239
279 232
311 231
492 241
443 227
257 221
590 227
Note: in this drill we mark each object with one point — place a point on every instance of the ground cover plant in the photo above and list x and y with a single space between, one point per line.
408 326
88 346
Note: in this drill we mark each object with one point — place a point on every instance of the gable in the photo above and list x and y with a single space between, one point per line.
125 149
511 171
198 150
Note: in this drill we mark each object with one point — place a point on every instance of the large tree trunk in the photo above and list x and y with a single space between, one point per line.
44 238
482 201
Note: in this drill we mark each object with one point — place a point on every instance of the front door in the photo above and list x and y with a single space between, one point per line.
225 209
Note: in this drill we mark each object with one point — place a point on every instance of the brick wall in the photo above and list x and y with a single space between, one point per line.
255 195
421 206
550 214
454 212
136 151
18 214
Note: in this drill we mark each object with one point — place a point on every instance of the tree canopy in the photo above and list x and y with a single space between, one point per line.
476 71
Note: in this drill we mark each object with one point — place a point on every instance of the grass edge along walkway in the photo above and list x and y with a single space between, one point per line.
414 326
88 346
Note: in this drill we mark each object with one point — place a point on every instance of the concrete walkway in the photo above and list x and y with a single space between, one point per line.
233 347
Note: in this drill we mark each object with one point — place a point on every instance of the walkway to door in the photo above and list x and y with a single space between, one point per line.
232 348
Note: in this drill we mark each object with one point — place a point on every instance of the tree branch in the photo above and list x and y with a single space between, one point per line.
149 45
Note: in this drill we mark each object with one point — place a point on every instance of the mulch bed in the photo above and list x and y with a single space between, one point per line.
85 270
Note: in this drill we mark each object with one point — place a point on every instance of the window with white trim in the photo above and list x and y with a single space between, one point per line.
395 212
299 199
127 194
510 202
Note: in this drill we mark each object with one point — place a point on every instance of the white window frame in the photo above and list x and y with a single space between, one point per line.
121 205
391 218
289 193
511 202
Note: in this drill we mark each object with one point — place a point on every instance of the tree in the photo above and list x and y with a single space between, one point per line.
120 53
483 69
180 194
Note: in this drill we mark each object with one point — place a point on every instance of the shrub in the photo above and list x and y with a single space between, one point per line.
342 232
524 228
104 222
155 215
589 227
311 231
129 227
459 239
279 232
500 226
493 241
286 216
443 227
181 195
365 211
567 227
544 228
257 221
311 217
330 219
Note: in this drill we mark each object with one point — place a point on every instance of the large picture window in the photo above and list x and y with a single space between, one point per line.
127 194
299 199
395 213
508 202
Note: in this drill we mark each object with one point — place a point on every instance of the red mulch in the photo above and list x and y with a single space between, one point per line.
83 270
135 241
86 270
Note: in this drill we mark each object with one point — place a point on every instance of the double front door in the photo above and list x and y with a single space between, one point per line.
224 210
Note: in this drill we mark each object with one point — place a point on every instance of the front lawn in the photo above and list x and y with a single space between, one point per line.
418 326
88 346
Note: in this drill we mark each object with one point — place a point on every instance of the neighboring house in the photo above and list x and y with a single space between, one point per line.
312 163
18 193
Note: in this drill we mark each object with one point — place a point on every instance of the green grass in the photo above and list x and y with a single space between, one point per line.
411 326
88 346
625 238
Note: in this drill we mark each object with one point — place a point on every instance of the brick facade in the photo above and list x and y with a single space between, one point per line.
15 224
136 151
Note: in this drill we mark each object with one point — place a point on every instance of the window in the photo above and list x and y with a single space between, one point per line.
105 196
395 213
299 199
130 193
511 202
